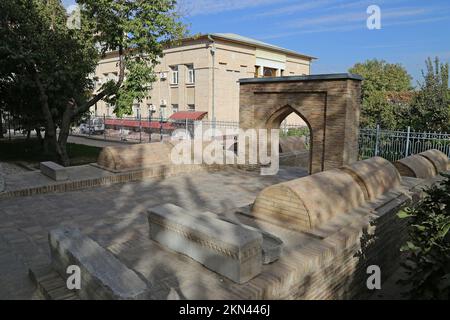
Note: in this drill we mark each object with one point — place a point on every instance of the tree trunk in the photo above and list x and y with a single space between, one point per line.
38 135
1 124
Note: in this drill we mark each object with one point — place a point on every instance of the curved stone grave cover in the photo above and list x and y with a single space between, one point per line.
135 156
375 176
305 203
416 166
438 158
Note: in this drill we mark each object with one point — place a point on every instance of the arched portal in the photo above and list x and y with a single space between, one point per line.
294 139
329 104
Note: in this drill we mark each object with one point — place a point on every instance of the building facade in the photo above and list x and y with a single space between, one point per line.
202 73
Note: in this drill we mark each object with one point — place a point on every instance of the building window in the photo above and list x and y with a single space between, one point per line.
174 72
137 110
108 109
175 108
190 73
191 107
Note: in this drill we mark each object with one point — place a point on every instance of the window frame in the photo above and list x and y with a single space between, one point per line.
174 75
190 74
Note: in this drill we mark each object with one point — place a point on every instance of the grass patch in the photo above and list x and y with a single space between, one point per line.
32 151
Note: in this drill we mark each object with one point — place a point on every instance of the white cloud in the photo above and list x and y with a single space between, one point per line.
355 16
205 7
295 8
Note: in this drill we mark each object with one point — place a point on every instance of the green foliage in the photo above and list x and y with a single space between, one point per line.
428 246
139 30
431 106
297 132
381 78
31 151
53 64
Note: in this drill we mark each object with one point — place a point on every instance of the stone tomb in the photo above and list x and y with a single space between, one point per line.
54 171
103 276
228 249
134 157
425 165
438 158
325 259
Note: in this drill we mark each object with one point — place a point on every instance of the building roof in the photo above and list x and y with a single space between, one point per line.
331 76
188 115
241 39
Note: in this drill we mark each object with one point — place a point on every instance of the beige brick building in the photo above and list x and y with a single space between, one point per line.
202 73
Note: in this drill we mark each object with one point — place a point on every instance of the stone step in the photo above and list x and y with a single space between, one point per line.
51 285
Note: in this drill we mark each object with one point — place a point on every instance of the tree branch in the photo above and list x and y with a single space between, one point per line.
106 91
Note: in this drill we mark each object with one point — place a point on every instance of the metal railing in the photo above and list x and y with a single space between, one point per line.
393 144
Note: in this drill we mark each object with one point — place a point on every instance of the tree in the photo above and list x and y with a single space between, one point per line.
431 106
58 61
380 80
428 245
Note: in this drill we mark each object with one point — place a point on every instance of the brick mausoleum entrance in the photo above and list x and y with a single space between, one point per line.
329 104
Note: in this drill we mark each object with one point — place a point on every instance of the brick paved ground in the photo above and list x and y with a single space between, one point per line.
111 215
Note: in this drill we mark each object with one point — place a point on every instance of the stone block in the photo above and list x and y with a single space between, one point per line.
103 276
54 171
271 245
416 166
225 248
438 158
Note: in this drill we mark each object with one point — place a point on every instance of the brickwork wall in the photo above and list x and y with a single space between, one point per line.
330 107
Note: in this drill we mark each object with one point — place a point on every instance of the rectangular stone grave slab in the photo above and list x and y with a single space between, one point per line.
228 249
54 171
103 276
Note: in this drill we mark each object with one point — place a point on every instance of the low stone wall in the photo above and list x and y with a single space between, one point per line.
155 171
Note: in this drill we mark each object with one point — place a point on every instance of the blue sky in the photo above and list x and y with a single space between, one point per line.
334 31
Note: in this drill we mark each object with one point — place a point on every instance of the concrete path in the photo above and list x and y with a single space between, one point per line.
112 215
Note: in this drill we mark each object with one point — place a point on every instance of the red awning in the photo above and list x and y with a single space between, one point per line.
188 115
137 124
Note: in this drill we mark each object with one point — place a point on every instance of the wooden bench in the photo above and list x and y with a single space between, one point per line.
54 171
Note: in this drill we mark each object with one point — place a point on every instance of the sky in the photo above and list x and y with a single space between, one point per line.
334 31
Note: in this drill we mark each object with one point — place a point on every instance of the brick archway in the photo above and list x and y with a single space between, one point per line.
329 104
